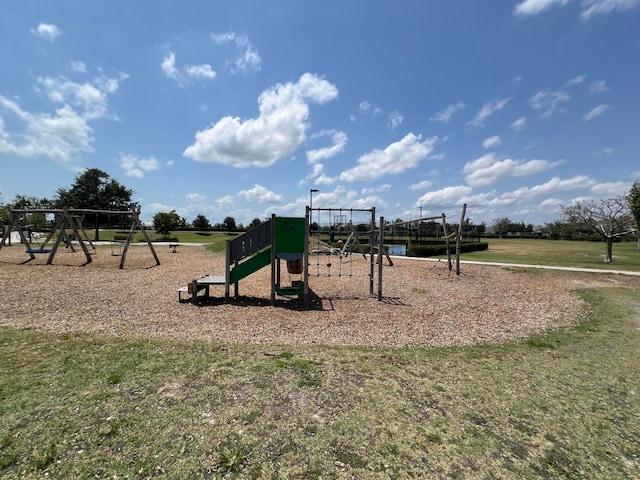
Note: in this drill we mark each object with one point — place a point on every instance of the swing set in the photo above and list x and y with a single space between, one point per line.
72 219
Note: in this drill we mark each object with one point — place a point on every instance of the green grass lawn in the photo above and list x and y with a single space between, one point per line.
558 252
562 405
216 240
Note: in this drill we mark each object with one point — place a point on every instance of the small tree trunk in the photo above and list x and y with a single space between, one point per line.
609 256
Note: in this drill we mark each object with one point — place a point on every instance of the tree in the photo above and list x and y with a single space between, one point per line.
165 222
256 222
201 223
501 225
633 200
229 223
609 218
36 220
95 189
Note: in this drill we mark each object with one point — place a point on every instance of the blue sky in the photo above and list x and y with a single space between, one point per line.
241 107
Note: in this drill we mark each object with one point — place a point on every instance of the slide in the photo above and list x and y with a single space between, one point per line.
253 264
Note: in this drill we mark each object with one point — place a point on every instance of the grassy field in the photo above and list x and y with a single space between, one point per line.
562 405
558 252
216 240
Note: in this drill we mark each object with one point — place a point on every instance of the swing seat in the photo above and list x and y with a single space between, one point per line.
38 250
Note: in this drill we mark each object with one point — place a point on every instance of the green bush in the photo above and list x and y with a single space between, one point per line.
441 249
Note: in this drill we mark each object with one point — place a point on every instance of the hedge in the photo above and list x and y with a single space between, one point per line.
441 249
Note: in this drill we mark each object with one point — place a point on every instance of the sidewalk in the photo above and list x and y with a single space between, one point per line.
526 265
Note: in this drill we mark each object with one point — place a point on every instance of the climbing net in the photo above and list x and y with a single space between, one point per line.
339 242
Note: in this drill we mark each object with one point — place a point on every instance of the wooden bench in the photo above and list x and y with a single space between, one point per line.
173 247
120 238
198 284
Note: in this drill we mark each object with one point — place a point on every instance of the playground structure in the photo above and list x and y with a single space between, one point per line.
71 219
287 239
325 247
455 235
277 239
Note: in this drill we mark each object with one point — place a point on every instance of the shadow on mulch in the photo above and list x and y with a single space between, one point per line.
315 303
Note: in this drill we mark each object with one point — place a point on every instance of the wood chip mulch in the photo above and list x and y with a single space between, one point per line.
423 304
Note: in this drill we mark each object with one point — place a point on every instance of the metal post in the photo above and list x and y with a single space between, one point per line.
459 238
380 252
273 259
311 192
372 238
227 271
305 255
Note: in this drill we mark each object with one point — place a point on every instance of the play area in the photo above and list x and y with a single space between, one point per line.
422 303
68 231
336 242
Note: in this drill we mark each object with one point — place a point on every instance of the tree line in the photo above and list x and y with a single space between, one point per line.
95 189
609 218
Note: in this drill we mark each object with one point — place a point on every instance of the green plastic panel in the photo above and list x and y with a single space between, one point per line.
290 235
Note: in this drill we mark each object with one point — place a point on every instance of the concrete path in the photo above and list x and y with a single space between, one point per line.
526 265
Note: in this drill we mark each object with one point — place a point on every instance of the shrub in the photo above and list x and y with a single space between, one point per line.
441 249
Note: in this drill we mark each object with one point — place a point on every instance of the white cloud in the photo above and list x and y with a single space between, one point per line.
595 7
552 186
533 7
519 123
610 189
396 158
67 131
445 196
225 202
77 66
249 59
200 71
316 171
277 132
395 119
598 86
380 189
575 81
136 167
259 194
489 168
156 207
605 152
589 7
339 140
188 72
491 142
487 110
196 198
168 65
548 102
594 112
221 38
421 185
45 31
325 180
367 108
446 114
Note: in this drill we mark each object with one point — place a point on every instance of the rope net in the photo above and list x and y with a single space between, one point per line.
339 242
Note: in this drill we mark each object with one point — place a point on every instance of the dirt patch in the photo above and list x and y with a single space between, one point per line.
423 303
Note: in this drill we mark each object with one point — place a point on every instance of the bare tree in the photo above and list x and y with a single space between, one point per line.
609 218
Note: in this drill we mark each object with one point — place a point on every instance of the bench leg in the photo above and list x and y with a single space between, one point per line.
194 292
